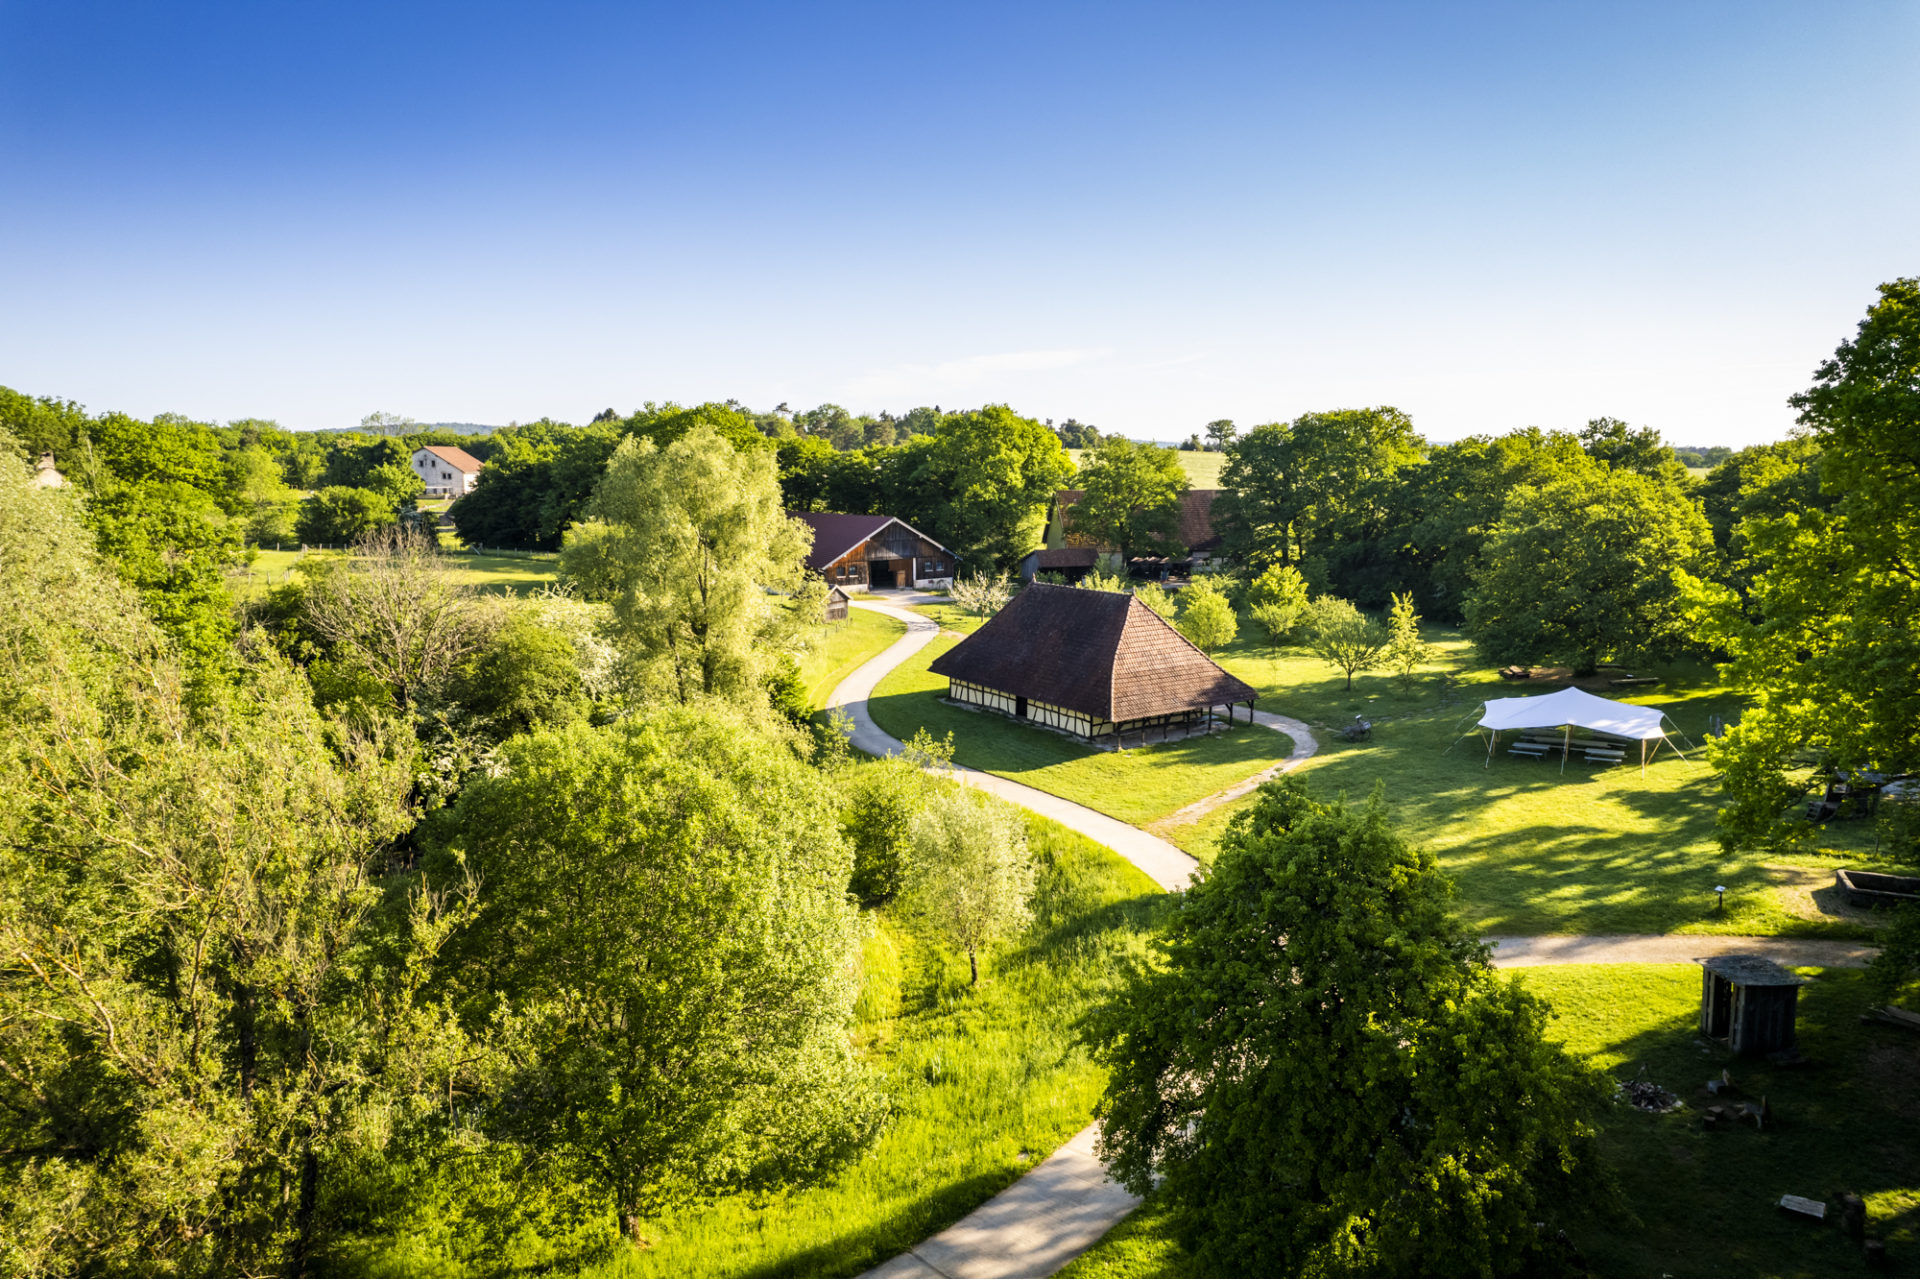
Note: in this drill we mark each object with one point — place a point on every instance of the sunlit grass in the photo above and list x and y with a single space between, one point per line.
985 1082
836 650
494 574
1702 1203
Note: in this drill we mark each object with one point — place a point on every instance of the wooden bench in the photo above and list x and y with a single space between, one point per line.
1532 750
1606 754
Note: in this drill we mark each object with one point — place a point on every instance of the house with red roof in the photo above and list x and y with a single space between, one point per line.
875 552
447 471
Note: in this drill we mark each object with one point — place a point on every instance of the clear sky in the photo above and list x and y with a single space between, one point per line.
1145 217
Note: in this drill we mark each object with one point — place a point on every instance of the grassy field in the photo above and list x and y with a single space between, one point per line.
1702 1203
985 1082
840 648
495 574
1203 469
1596 849
1138 785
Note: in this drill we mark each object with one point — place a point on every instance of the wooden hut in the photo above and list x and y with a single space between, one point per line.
1097 664
837 601
1748 1001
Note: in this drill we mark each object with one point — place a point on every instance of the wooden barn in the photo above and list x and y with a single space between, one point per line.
1750 1002
876 551
1097 664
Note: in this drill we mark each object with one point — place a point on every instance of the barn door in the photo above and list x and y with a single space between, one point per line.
1020 707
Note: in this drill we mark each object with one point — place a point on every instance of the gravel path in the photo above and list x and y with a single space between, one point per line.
1063 1207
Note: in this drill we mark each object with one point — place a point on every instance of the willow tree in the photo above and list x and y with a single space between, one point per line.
692 548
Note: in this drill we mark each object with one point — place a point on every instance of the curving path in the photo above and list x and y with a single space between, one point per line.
1063 1207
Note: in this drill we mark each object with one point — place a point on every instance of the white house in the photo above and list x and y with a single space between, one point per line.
448 471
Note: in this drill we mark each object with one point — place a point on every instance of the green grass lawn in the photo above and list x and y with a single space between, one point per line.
1203 469
985 1082
837 649
494 574
1533 850
1702 1203
1138 785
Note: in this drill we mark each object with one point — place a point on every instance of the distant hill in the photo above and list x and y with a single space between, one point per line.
458 428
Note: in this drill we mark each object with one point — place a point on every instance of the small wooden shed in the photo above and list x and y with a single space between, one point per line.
837 600
1750 1002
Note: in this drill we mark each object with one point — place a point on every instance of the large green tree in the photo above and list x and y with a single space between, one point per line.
665 918
981 483
1826 644
199 1010
685 542
1325 1077
1317 492
1131 497
1589 569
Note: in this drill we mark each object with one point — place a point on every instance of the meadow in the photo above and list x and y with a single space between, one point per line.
1203 469
1699 1203
496 573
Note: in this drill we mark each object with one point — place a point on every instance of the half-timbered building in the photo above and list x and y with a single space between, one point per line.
876 551
1097 664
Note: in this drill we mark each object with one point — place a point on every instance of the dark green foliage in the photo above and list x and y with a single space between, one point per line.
1587 570
881 799
1827 641
1614 444
525 679
1325 1076
787 692
339 516
1130 498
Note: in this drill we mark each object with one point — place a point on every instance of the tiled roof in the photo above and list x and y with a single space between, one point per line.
834 535
1068 557
1196 516
1102 653
459 459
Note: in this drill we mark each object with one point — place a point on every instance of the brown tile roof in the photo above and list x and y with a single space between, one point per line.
1196 517
458 458
834 534
1067 557
1102 653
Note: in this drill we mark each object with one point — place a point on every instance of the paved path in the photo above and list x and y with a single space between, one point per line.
1680 948
1061 1208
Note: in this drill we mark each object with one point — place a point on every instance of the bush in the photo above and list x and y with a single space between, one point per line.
336 516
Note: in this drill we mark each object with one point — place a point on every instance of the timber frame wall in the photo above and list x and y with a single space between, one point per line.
1078 723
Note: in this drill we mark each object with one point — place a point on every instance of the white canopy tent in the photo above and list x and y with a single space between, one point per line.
1572 708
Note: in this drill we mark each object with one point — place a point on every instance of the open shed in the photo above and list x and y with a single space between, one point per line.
1538 726
1748 1001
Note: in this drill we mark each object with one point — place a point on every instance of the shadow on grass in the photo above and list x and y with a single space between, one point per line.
1706 1200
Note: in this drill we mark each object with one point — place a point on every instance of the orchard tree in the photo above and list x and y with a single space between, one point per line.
1206 615
1405 652
1343 637
1131 498
971 871
1587 570
1325 1075
1826 644
686 542
665 934
1277 602
981 594
1152 594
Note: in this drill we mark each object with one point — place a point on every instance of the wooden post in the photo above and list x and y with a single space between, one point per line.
1566 748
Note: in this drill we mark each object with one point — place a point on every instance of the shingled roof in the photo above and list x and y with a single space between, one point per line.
835 534
1102 653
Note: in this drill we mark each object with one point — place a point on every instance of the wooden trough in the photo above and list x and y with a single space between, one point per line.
1750 1002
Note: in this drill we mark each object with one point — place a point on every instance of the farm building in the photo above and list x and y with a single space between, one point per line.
1195 533
1096 664
873 550
447 471
1070 562
835 609
1748 1001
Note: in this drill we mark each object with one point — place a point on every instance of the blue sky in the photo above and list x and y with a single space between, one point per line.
1144 217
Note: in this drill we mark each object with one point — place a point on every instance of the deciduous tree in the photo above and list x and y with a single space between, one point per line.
1405 652
971 872
1206 615
665 916
1325 1076
1343 637
687 542
1130 498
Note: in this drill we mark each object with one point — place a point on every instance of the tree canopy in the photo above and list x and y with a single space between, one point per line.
1130 498
1324 1075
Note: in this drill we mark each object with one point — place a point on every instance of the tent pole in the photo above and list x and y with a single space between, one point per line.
1566 746
1643 756
1493 740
